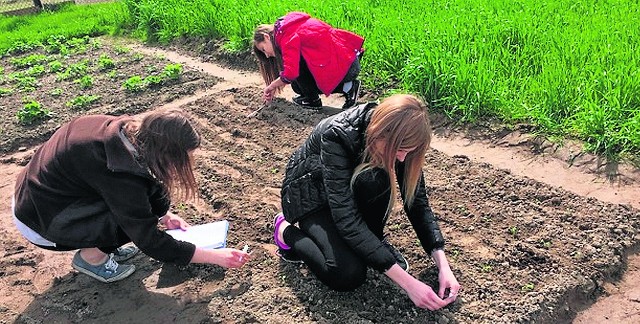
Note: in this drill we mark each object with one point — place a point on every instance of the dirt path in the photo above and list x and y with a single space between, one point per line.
567 221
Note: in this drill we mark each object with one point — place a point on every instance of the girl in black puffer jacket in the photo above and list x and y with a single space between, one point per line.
338 189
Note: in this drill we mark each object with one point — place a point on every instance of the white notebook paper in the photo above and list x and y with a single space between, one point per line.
206 236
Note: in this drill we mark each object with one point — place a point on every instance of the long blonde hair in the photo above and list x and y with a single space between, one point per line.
270 67
400 122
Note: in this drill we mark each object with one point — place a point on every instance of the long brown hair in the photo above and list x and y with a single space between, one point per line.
270 67
399 122
165 139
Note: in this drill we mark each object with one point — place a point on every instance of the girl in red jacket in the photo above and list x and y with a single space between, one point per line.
310 55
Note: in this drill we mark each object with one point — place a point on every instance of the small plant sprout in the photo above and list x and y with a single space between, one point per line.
121 49
528 287
545 244
151 68
57 92
81 102
513 230
486 268
182 207
77 70
113 74
137 57
455 253
26 83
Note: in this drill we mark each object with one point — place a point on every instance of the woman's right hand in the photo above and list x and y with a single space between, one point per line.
423 296
269 91
420 293
267 95
228 258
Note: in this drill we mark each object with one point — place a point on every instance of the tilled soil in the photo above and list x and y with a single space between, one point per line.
523 251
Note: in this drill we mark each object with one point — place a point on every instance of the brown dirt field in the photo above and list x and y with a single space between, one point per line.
536 232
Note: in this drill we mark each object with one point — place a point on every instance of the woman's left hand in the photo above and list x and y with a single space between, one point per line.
173 221
447 280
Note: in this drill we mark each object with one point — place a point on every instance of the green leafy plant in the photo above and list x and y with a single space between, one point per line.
151 69
28 61
57 92
137 57
78 44
83 101
76 70
20 47
95 44
23 82
36 70
85 82
172 71
121 49
5 92
105 62
56 44
55 66
153 81
134 84
113 74
31 112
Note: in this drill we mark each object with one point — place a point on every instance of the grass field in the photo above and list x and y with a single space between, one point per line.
570 67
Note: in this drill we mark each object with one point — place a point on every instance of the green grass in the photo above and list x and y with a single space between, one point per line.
570 67
69 21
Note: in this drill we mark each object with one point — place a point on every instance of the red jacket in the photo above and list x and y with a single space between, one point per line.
328 51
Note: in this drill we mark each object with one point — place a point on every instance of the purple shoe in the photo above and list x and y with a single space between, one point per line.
277 221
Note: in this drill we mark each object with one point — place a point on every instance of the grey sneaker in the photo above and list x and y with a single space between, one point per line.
400 260
109 271
125 253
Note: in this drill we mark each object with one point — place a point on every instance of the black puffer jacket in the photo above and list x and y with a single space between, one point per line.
318 176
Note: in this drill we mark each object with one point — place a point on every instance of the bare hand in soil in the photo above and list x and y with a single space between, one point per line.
232 258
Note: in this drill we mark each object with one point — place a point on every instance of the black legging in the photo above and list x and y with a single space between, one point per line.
318 244
306 85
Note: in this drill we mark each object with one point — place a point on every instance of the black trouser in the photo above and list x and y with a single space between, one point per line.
317 242
306 85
